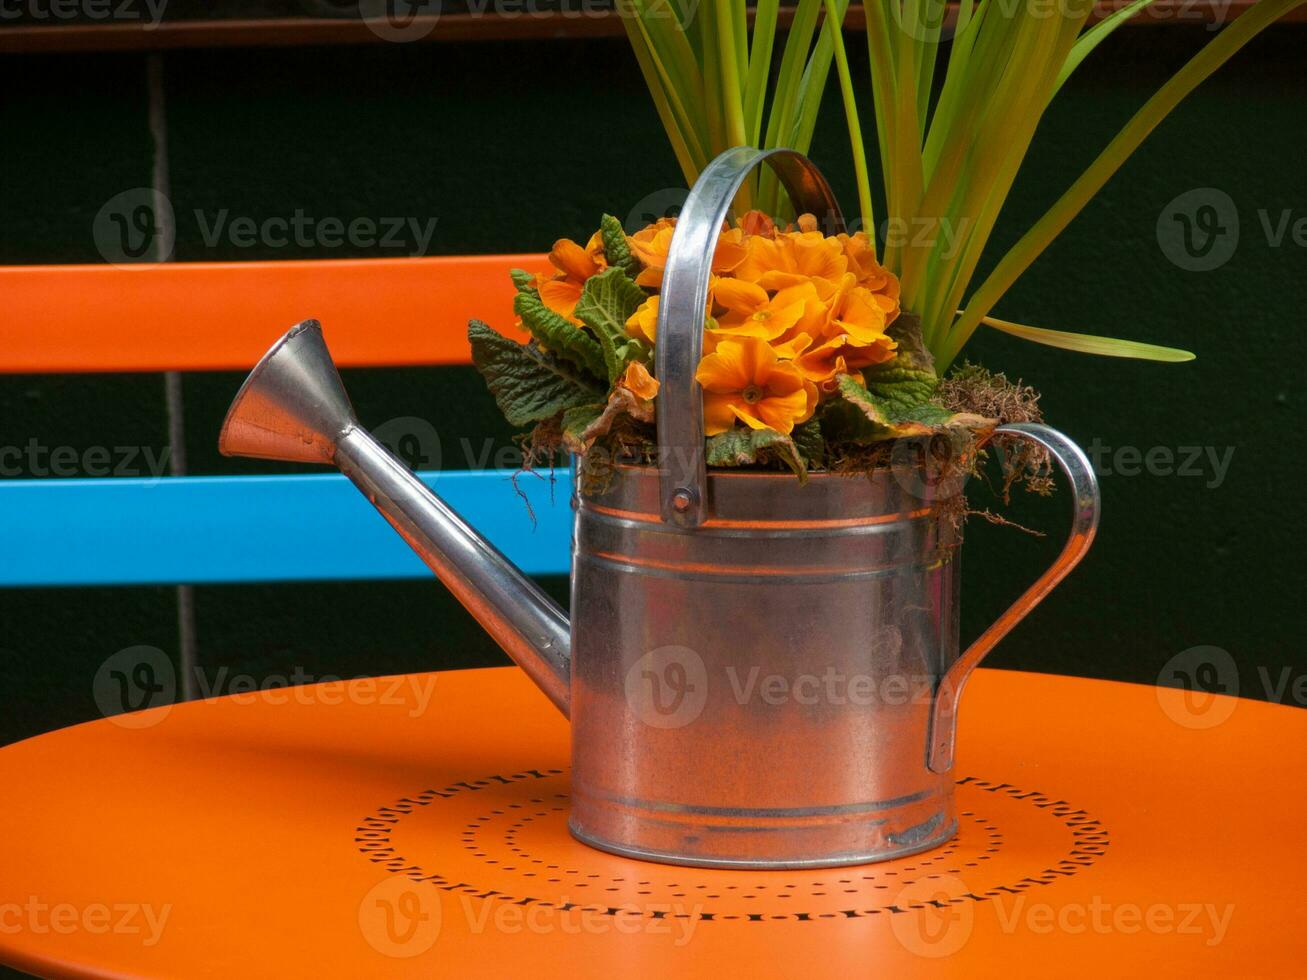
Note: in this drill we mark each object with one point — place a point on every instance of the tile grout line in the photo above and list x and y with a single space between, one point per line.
165 239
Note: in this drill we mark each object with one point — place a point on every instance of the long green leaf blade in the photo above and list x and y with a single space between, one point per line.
1008 139
790 99
1095 36
813 84
835 30
1032 244
686 143
932 23
1090 344
760 55
729 76
880 53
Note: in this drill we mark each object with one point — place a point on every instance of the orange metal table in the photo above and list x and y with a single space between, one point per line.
416 826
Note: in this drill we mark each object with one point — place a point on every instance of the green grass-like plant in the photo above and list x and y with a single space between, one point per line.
954 122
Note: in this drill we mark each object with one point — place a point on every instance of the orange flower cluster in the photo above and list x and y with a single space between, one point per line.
789 310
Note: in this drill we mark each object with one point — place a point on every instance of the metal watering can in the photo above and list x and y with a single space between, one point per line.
758 674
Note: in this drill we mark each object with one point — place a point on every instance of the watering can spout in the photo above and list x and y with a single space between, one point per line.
293 407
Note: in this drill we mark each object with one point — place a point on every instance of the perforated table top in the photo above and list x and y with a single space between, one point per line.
416 826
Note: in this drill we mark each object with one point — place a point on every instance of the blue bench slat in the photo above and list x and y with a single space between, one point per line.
256 528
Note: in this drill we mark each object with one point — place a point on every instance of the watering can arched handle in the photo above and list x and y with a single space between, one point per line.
1084 524
684 296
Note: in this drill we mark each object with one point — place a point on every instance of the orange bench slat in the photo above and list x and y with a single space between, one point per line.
206 316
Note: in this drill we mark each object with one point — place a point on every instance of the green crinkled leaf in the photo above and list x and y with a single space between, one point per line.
810 442
926 413
617 251
900 390
606 303
908 379
523 280
742 447
559 336
860 416
528 384
896 398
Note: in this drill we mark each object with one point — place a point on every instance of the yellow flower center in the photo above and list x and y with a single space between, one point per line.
752 394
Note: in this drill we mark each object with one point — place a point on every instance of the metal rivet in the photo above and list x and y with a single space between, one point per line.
681 501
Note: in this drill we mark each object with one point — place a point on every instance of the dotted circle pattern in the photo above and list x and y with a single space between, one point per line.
520 841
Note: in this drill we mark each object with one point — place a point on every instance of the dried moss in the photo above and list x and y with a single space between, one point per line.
972 388
955 453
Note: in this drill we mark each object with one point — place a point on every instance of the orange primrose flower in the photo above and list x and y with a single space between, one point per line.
860 314
791 347
792 258
750 312
857 249
840 355
575 265
871 274
757 222
647 233
638 381
652 250
744 379
643 323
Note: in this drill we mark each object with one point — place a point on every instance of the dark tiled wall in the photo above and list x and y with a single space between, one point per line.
509 146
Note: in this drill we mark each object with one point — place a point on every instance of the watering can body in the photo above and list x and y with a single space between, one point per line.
758 673
756 692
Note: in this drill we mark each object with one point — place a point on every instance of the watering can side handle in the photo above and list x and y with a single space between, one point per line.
1084 525
684 295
